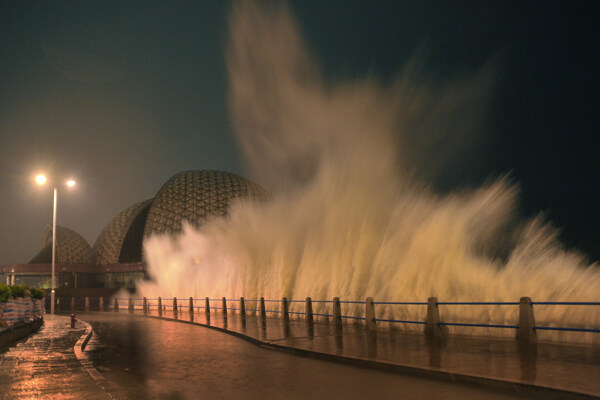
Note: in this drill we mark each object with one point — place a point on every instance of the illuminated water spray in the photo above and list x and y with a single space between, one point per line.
347 218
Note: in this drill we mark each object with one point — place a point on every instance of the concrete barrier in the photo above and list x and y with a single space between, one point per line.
263 312
242 307
432 327
526 332
207 309
337 313
308 311
285 310
370 323
11 335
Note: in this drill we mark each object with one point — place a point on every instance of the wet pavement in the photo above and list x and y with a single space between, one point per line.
161 359
44 365
502 363
132 357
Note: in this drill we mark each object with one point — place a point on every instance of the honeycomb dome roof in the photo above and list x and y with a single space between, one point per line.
71 248
110 244
193 196
196 196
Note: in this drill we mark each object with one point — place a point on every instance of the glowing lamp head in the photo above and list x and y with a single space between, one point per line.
41 179
70 183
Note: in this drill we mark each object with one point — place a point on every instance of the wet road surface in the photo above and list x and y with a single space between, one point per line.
158 359
44 366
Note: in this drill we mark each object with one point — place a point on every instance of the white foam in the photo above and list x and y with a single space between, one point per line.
347 217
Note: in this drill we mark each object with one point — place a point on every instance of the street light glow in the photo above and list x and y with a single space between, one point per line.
71 183
40 179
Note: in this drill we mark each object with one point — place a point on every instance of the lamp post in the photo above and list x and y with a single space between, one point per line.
41 180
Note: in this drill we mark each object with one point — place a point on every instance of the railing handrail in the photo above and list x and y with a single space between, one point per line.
567 303
477 303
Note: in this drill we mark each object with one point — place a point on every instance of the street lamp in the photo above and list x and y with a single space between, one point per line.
41 180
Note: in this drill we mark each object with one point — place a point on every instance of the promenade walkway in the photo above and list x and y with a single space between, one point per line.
44 366
542 370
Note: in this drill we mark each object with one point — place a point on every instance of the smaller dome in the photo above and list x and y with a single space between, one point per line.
71 248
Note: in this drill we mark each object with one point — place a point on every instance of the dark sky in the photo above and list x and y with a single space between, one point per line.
122 95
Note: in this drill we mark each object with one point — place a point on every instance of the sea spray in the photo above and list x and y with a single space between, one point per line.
349 214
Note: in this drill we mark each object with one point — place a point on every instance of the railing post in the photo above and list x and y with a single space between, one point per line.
72 303
370 322
432 327
286 316
130 305
145 305
285 310
116 305
87 304
337 313
308 311
174 306
242 307
224 308
207 309
159 306
101 304
263 312
526 331
191 305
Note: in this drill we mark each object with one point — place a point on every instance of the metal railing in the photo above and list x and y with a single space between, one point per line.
526 327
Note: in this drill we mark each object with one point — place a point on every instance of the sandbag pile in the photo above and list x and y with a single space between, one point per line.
20 304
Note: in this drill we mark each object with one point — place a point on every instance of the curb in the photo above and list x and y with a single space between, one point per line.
85 362
84 339
88 366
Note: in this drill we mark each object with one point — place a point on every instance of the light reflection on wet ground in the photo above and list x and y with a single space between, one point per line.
156 359
572 368
44 366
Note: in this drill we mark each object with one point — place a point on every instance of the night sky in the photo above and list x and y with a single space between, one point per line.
122 95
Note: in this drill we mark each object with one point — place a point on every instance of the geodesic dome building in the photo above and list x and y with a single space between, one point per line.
115 261
192 196
71 248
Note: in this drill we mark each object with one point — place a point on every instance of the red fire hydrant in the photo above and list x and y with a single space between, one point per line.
73 320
